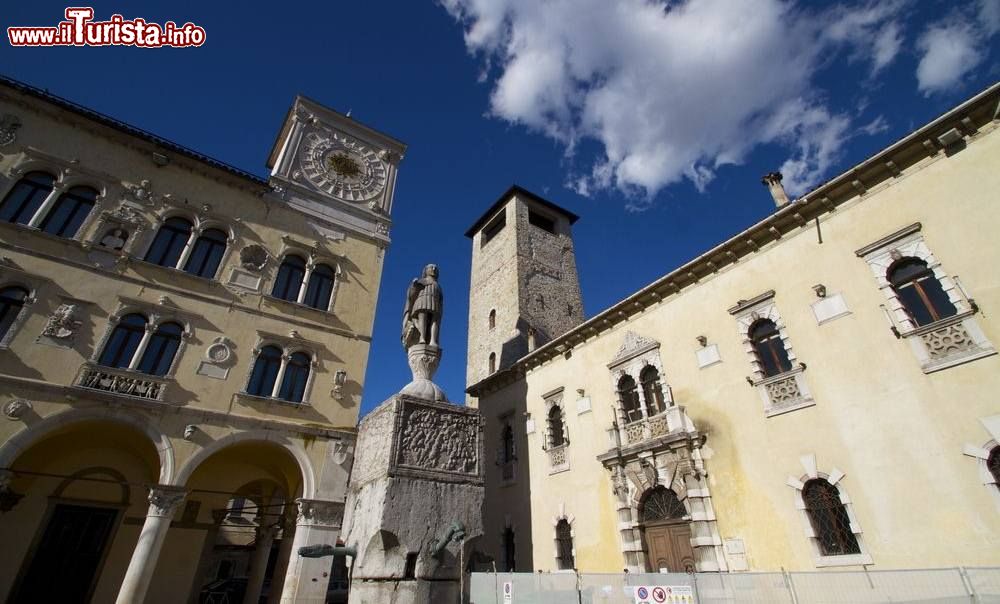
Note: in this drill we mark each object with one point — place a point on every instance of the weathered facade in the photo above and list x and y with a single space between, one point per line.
818 391
182 355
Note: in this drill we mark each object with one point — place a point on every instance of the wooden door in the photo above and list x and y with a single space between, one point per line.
66 563
668 547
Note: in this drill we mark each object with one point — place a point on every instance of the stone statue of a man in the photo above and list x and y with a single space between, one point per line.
423 310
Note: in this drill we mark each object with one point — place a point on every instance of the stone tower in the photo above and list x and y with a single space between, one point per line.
524 289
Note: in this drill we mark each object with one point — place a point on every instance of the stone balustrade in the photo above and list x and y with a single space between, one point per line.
122 382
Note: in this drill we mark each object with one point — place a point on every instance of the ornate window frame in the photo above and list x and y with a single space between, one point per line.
786 391
982 453
67 175
834 477
558 455
634 355
156 315
200 222
25 281
571 521
945 343
288 346
313 256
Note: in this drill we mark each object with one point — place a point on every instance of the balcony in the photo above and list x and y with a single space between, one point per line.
121 382
672 419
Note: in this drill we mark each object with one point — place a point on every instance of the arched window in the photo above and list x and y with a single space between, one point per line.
11 302
493 318
629 397
919 291
507 444
124 341
661 503
206 254
493 362
564 545
652 391
508 550
993 465
320 287
289 280
26 197
169 243
557 430
293 385
161 349
265 371
829 519
769 348
69 212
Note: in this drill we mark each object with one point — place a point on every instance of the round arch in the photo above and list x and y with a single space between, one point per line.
298 453
29 435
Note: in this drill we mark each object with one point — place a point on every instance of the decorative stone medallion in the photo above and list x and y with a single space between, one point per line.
253 258
16 408
9 125
343 166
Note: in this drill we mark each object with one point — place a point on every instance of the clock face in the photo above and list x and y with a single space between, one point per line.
343 166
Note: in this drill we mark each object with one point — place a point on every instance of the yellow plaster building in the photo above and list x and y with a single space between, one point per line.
182 350
821 390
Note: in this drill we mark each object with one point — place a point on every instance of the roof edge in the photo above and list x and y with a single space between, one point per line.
516 189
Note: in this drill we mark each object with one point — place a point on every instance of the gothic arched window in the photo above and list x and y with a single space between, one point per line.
26 197
661 503
265 371
628 394
919 291
206 255
493 318
69 212
161 349
493 362
12 301
769 348
564 545
829 518
289 280
557 429
651 390
507 443
320 287
124 341
293 385
993 465
170 241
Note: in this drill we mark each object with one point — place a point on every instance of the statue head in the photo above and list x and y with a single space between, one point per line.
431 270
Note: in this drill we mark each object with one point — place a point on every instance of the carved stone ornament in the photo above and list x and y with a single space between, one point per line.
124 214
63 322
382 228
253 258
16 408
632 345
318 512
189 431
9 125
142 192
163 500
439 439
341 453
220 351
343 166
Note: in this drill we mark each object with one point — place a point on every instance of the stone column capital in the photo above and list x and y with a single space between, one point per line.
318 512
164 499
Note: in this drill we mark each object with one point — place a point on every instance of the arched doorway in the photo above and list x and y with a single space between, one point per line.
666 534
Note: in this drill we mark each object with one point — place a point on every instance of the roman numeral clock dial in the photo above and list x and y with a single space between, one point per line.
343 167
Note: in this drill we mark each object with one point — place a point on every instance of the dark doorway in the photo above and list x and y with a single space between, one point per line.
66 562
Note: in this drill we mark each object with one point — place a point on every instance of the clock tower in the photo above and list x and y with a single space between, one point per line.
336 169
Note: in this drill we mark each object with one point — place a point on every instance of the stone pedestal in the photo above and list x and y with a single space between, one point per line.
415 501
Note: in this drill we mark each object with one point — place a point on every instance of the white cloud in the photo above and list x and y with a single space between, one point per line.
989 16
876 126
673 90
949 52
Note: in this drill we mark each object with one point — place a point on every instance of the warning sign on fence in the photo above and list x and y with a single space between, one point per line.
508 591
664 594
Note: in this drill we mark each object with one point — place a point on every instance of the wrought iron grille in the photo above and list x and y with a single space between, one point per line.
829 519
993 463
662 504
564 545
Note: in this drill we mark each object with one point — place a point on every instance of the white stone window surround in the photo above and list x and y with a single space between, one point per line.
313 257
67 176
834 477
505 420
786 391
155 315
982 453
288 346
634 355
200 223
558 455
945 343
27 282
571 520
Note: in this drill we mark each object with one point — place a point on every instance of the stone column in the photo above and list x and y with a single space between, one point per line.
318 523
284 555
163 501
258 564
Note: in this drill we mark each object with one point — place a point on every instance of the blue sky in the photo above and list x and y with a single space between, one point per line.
651 120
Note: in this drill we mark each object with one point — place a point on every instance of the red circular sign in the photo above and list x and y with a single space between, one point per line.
659 594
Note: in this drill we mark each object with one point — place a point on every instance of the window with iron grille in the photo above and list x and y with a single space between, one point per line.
629 397
661 503
769 348
652 391
564 545
557 429
829 519
919 291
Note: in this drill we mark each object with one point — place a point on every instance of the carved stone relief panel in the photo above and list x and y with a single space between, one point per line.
438 439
